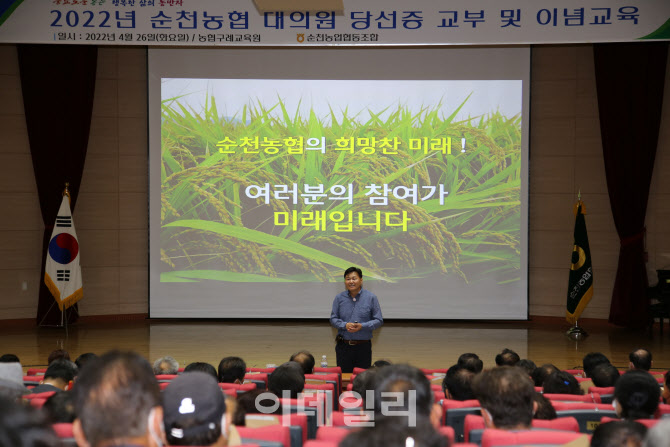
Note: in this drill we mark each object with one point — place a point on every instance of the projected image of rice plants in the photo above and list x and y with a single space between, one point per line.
217 225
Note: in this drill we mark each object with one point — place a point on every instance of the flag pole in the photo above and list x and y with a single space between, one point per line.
576 332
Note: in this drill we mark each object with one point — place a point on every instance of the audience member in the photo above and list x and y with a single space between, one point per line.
60 407
619 434
541 373
58 354
118 402
658 435
202 367
471 361
561 382
506 396
363 383
457 383
194 411
381 363
527 365
591 360
11 381
166 366
24 426
666 388
9 358
605 375
636 395
232 370
305 360
392 433
543 408
84 358
57 377
287 377
254 401
507 358
640 359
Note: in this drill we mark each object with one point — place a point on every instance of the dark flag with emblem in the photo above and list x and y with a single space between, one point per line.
580 284
63 272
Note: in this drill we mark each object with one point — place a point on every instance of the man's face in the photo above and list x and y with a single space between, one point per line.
353 283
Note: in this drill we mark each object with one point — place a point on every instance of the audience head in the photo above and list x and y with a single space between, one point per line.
415 399
194 411
84 359
457 383
471 361
60 372
591 360
60 407
166 365
619 434
507 358
391 433
506 396
636 394
287 377
253 402
561 382
543 408
11 381
58 354
202 367
666 388
605 375
364 382
9 358
528 365
306 361
24 426
381 363
640 359
232 370
117 401
542 372
658 435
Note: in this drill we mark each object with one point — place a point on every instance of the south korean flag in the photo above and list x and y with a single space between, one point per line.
63 272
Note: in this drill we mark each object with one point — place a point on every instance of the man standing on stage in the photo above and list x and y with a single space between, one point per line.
356 313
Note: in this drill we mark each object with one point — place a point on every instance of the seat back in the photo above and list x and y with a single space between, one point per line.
329 389
662 411
260 379
588 415
606 393
276 434
455 412
475 426
589 398
493 437
296 422
36 371
335 434
349 419
646 422
165 377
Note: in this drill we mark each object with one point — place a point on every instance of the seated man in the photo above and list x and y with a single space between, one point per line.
619 434
118 402
591 360
287 380
232 370
640 359
561 382
25 426
506 396
305 359
11 381
166 365
202 367
541 373
507 358
194 411
57 376
636 395
471 361
457 383
605 375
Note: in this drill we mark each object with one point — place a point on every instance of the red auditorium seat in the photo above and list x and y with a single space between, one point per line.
646 422
335 434
44 395
588 398
474 425
588 415
663 409
455 412
606 393
348 400
493 437
238 387
36 372
63 429
297 423
276 433
165 377
342 419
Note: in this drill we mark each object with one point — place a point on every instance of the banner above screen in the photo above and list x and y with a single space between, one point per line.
360 22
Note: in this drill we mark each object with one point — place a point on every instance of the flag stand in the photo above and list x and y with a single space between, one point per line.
63 319
576 333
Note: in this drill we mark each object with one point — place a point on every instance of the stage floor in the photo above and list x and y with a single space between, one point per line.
424 344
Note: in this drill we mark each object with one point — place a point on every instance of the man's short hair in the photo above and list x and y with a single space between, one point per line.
114 397
305 359
380 363
353 269
527 365
541 373
392 433
363 382
637 394
507 358
60 407
605 375
85 358
592 359
202 367
232 369
287 377
9 358
619 434
561 382
506 393
471 361
458 382
402 378
641 359
62 369
166 365
545 410
25 426
193 407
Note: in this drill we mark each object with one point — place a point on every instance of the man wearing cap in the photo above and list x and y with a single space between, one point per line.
11 380
194 412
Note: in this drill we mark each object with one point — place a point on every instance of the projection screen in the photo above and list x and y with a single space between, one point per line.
273 170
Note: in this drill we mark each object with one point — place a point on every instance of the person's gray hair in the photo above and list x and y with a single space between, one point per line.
658 435
166 365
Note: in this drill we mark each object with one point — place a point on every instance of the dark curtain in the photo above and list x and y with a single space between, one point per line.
58 83
630 79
